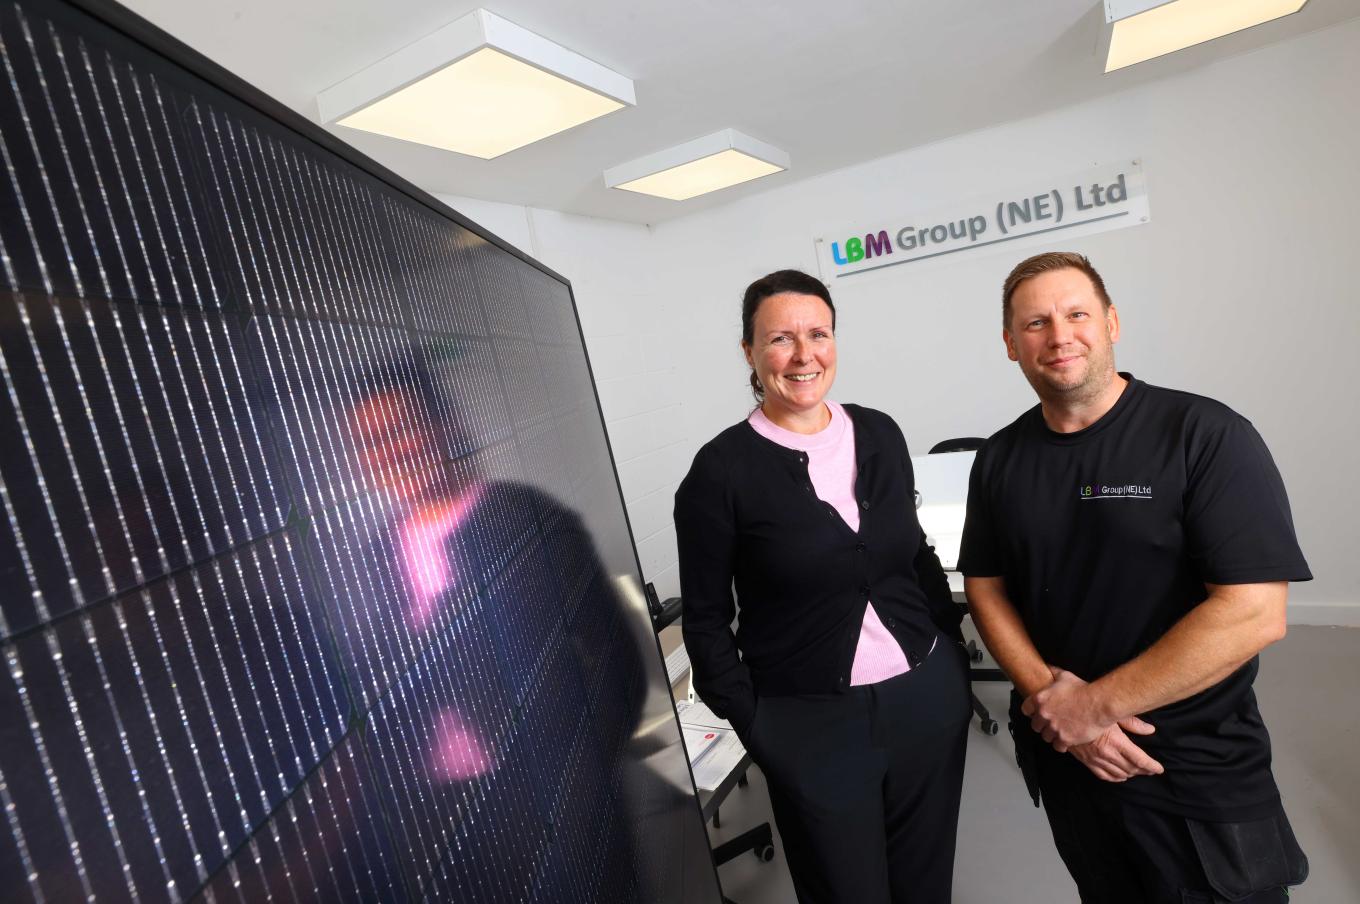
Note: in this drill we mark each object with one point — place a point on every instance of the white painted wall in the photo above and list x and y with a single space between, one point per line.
1241 287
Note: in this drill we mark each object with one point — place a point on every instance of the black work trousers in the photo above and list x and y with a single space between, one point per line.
865 784
1122 853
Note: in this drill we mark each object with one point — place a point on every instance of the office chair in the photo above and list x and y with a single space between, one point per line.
957 444
986 723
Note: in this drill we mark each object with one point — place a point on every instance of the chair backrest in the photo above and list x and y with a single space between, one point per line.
958 444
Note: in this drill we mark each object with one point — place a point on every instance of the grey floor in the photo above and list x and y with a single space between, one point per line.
1309 692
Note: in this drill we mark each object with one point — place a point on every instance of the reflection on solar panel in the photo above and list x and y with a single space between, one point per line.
310 534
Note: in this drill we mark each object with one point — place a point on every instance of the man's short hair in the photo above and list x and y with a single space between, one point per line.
1031 267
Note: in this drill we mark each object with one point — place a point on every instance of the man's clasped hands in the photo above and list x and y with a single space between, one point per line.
1071 715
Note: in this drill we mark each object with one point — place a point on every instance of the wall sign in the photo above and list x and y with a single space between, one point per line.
1098 200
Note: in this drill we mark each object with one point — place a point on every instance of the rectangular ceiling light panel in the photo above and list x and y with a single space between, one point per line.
1144 29
697 167
480 86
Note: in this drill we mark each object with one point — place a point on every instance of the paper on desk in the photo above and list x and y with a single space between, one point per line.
699 740
711 758
696 712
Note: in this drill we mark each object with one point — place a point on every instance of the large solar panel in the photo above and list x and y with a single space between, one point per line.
315 579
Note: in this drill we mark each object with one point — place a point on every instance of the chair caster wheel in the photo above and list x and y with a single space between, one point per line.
764 853
989 726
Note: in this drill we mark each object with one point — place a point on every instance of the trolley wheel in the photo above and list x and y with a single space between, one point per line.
764 853
988 726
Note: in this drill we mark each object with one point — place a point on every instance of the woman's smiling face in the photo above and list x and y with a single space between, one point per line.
793 352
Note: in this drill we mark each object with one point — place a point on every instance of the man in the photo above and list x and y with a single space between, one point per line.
1126 555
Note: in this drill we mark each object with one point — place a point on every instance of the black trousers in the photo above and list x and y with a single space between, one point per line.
865 784
1122 853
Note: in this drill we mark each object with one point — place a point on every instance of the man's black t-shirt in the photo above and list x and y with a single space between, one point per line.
1106 537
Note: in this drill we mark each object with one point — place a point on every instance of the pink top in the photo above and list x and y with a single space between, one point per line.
424 536
831 467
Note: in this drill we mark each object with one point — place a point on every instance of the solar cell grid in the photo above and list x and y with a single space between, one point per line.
502 299
295 600
144 472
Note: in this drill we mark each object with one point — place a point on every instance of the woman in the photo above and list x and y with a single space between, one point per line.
843 680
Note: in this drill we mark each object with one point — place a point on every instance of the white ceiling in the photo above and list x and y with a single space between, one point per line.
833 84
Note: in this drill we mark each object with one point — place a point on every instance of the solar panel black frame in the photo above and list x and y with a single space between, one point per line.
123 582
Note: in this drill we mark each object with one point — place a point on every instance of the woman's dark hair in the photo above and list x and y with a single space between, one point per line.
777 283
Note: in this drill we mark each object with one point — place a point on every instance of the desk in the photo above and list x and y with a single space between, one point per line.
719 766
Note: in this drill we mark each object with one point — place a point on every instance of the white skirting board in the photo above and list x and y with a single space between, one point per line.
1346 615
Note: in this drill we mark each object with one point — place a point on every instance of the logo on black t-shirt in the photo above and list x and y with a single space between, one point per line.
1123 491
